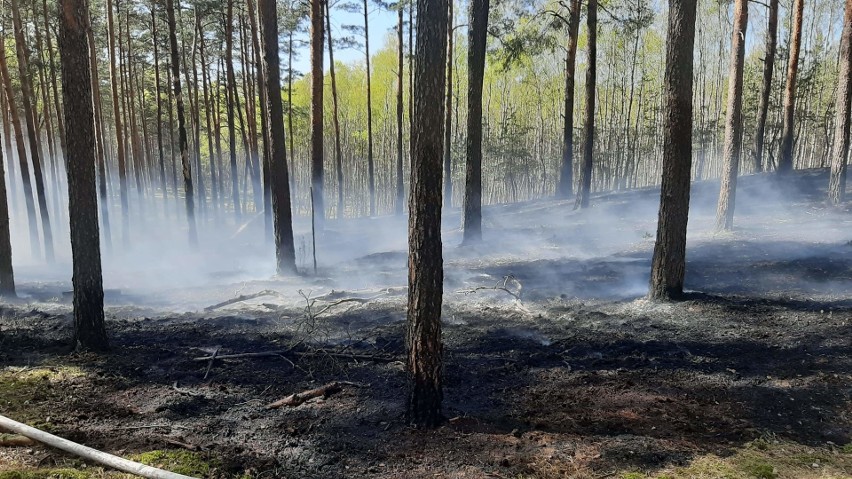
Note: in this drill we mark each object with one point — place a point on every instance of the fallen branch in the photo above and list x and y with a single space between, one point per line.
241 298
88 453
500 286
282 352
212 359
322 391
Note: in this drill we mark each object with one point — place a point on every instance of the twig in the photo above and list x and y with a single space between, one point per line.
281 353
185 445
322 391
241 298
152 426
500 286
212 359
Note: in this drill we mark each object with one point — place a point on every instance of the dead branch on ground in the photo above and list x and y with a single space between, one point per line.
241 298
322 391
500 286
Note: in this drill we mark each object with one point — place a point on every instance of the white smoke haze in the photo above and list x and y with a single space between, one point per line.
550 249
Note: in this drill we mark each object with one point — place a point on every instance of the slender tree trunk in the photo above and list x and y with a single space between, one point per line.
280 184
371 177
669 260
260 74
232 138
448 106
338 152
89 328
53 82
119 130
182 140
426 272
837 181
7 275
99 141
212 129
766 88
157 87
317 168
584 193
290 103
36 153
29 197
7 138
566 171
785 158
478 33
400 186
733 121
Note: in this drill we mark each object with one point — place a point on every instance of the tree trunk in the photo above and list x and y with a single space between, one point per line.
317 171
338 152
766 88
566 171
232 136
280 183
260 74
425 277
99 141
785 158
7 275
36 153
182 140
477 36
400 185
733 121
589 121
212 129
89 328
119 131
371 178
29 197
448 106
669 260
160 154
837 182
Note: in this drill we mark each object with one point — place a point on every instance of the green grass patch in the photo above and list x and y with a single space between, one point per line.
175 460
45 474
24 392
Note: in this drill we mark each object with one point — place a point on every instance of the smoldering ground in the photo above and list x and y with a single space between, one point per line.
554 362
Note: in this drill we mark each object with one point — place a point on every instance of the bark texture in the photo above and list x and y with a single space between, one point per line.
285 252
425 260
837 181
589 122
566 171
766 88
477 36
785 158
89 328
733 120
669 261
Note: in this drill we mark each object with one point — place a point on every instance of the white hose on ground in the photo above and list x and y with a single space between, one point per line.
85 452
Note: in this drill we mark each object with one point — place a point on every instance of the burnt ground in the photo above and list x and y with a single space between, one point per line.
749 376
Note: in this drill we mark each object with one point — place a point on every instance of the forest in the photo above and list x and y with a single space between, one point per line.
425 238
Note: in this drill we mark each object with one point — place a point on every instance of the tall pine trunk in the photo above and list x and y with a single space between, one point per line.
89 328
669 260
36 153
477 36
785 158
119 130
280 183
371 177
837 181
766 88
448 110
29 197
566 171
317 168
583 195
733 120
400 188
338 151
182 140
7 275
425 261
231 86
100 142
